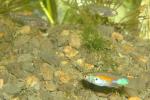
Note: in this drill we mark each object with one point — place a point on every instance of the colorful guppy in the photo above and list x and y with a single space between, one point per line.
106 79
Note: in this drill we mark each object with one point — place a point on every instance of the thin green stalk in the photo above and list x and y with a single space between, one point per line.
47 12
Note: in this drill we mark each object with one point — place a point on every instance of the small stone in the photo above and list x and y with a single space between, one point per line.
58 95
115 97
25 29
80 62
142 59
15 98
65 33
75 40
62 76
1 83
25 58
2 34
13 88
64 63
21 40
128 47
31 81
60 54
50 86
46 71
134 98
70 52
116 36
89 66
83 65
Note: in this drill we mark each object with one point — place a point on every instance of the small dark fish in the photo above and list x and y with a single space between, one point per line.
102 11
29 20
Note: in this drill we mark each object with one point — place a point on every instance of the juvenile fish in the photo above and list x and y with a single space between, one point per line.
106 79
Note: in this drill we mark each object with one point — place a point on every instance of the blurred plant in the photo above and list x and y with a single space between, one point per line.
121 14
90 11
50 9
89 14
127 17
93 40
12 5
144 18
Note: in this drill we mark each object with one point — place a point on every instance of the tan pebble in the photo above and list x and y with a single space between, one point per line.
64 62
142 59
75 41
115 97
2 34
65 33
46 71
80 62
116 36
70 52
128 48
89 66
25 29
63 77
2 67
31 81
50 86
60 54
1 83
134 98
15 98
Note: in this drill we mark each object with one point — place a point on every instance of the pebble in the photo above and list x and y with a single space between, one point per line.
117 36
70 52
47 71
25 29
75 40
115 97
21 40
62 76
1 83
24 58
32 82
13 88
59 95
2 34
50 86
134 98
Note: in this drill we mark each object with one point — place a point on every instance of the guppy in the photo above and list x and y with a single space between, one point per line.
106 79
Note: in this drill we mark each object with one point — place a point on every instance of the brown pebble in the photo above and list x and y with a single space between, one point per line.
62 76
31 81
46 71
50 86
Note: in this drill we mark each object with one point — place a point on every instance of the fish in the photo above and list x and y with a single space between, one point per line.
102 11
107 80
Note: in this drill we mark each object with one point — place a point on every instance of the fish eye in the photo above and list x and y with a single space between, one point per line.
85 76
96 79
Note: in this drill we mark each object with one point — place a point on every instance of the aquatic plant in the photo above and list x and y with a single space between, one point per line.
127 16
144 19
50 9
93 40
12 5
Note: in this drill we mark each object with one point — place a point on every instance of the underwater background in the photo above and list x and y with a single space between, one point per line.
74 50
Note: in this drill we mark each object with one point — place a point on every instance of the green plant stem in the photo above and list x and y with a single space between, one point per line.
47 12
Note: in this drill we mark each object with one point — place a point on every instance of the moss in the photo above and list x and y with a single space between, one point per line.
92 39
